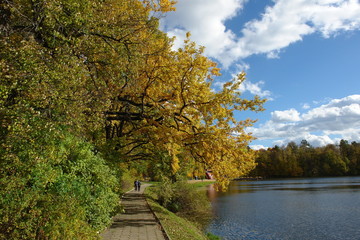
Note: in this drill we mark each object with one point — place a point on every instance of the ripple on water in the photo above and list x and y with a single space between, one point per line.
285 209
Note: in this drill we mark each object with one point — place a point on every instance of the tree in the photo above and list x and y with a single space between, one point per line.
264 163
354 164
54 92
307 161
291 156
103 71
332 163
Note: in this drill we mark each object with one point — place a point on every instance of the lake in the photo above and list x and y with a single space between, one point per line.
296 209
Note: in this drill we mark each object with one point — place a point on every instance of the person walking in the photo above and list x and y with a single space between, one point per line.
136 185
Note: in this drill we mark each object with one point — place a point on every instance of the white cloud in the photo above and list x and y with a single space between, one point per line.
285 116
340 117
337 115
305 106
351 134
313 140
344 101
331 16
280 25
248 86
257 147
205 19
255 89
242 66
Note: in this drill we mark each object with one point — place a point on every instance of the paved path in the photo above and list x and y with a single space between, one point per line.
137 223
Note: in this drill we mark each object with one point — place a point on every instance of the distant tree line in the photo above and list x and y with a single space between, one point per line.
304 160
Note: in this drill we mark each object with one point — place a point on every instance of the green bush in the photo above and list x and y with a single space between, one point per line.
166 195
127 179
185 200
53 186
176 227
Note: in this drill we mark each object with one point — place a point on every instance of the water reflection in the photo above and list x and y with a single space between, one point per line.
322 208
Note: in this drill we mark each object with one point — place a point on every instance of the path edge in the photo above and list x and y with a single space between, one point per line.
163 230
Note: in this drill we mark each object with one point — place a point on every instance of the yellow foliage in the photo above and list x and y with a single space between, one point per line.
153 99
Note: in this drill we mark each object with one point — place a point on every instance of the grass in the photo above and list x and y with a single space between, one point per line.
176 227
201 184
152 182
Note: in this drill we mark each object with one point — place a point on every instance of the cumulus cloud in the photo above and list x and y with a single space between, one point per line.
285 116
338 117
205 19
280 25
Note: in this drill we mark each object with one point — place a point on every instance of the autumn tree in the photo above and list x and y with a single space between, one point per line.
56 85
332 162
304 160
354 158
87 81
72 66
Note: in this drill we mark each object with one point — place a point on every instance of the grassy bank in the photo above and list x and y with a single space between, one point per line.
176 227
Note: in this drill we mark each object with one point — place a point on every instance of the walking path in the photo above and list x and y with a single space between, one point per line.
137 223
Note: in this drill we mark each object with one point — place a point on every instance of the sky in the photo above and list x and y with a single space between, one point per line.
301 55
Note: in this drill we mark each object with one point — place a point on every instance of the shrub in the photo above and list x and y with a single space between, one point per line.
185 200
127 179
53 186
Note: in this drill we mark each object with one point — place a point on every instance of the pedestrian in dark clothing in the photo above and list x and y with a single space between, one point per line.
136 185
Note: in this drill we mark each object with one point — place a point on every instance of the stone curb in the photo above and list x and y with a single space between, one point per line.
166 235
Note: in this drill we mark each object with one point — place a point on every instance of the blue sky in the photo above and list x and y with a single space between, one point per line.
302 55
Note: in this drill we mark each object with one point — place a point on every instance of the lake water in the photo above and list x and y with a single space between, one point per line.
296 209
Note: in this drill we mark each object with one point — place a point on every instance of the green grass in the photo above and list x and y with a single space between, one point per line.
203 184
177 228
151 182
